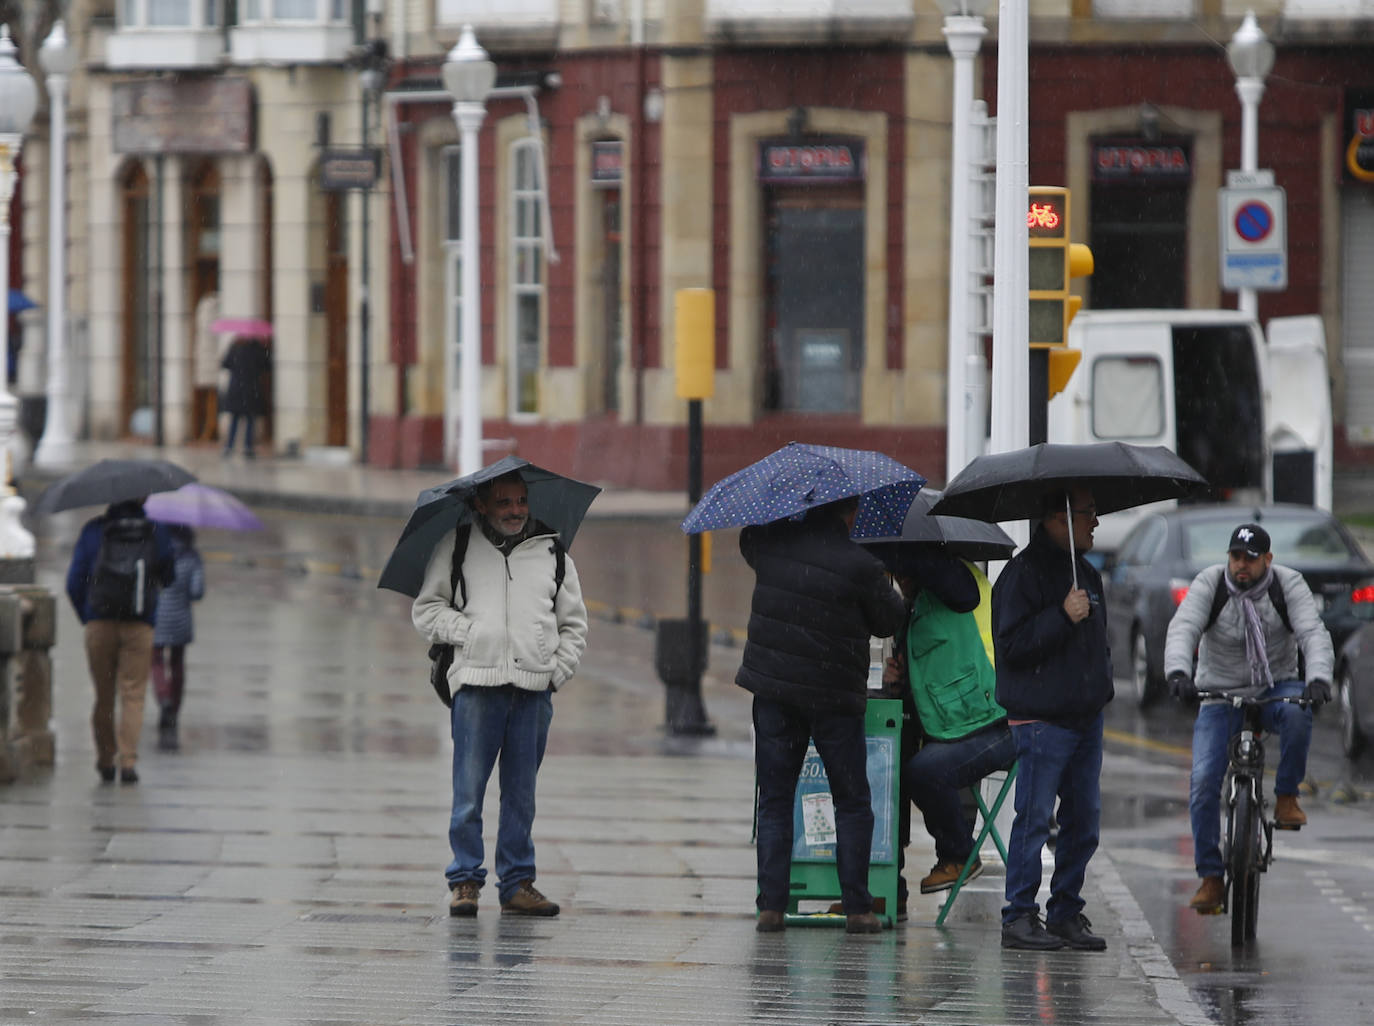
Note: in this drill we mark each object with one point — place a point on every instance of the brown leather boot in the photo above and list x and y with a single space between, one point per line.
1210 896
1287 815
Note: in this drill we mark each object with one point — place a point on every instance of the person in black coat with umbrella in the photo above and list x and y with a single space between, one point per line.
818 598
247 362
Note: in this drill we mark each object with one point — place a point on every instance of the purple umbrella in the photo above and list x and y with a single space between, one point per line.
200 505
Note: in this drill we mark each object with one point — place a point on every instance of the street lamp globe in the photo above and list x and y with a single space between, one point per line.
55 57
469 73
1249 51
18 93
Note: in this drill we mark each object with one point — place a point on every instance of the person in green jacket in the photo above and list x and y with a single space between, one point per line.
948 659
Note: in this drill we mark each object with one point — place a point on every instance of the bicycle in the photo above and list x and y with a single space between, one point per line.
1248 847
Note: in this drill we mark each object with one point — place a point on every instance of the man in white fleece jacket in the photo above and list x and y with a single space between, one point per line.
517 637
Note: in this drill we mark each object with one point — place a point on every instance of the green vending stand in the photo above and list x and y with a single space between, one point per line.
813 819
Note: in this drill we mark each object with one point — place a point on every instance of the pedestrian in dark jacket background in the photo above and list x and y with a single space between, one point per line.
174 630
119 646
245 398
818 598
1054 678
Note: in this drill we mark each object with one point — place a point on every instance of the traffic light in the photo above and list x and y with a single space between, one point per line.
1054 260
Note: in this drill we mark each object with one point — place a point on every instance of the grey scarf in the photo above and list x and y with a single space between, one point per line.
1256 653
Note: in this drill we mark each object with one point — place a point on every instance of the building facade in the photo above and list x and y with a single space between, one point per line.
796 164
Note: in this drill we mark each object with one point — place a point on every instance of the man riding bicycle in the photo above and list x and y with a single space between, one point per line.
1246 620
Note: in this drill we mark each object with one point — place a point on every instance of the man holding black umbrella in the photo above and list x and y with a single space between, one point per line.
1054 678
505 594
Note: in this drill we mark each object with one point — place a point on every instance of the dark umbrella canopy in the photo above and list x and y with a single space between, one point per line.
959 536
799 477
1013 485
112 481
558 501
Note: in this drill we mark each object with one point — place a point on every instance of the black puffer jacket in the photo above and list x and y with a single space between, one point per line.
1049 668
818 597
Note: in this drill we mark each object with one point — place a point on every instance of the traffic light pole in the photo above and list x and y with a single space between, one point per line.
1039 395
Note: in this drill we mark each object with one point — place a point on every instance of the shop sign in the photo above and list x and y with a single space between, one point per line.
818 160
349 169
193 115
1139 160
608 162
1357 143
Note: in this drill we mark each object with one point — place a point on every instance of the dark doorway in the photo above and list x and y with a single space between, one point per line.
336 320
814 311
610 298
136 347
1139 218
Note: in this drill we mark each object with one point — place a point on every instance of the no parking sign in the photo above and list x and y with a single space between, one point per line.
1254 238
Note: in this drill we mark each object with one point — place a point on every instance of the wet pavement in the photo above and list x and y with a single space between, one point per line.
285 866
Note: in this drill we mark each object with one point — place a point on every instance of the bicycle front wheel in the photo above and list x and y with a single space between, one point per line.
1243 864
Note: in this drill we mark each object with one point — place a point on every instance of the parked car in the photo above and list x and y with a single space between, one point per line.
1147 577
1355 679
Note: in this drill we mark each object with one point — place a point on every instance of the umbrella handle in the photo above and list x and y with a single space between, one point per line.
1073 556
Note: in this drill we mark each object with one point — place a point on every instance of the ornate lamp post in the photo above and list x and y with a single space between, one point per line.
468 76
58 59
964 30
1251 56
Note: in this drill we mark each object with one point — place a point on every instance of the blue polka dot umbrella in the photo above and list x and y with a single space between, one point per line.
799 477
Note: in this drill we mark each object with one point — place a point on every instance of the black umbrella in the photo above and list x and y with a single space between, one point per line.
1013 485
558 501
112 481
959 536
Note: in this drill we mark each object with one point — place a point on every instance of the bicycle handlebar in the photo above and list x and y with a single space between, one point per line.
1238 701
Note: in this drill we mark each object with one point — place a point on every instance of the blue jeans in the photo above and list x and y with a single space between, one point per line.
1063 763
781 733
936 774
1216 722
488 722
234 419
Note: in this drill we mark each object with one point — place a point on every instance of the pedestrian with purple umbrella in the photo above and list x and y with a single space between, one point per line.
173 631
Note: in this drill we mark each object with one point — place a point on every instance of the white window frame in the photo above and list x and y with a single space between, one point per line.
135 14
526 197
265 12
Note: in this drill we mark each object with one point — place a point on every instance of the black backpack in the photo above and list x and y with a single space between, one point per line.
1221 596
124 581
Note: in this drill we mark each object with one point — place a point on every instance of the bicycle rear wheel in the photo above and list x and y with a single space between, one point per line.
1243 866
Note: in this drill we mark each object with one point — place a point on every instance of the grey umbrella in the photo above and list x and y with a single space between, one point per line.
558 501
112 481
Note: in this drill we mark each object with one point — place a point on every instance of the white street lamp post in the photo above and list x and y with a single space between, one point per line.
468 76
1251 56
964 30
55 448
18 101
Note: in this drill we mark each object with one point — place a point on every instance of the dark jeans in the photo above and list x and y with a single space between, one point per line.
936 774
1063 763
234 419
781 733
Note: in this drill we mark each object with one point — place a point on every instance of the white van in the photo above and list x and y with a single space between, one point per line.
1254 418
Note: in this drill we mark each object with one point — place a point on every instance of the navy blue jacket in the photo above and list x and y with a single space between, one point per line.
83 564
1049 668
818 597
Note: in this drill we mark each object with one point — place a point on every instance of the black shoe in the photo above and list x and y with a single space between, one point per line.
770 921
107 773
167 739
1076 933
1027 934
128 776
